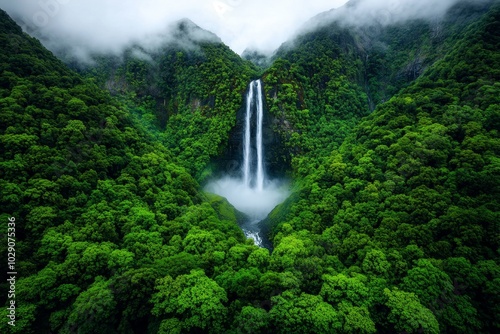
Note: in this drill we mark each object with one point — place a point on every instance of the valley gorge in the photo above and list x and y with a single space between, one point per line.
348 183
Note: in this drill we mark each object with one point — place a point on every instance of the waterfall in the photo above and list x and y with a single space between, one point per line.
251 193
247 150
258 138
253 171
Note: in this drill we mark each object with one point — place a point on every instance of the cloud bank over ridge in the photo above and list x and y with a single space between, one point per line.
110 25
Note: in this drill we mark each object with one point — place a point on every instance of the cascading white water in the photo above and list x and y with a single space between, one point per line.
258 138
251 172
251 193
247 150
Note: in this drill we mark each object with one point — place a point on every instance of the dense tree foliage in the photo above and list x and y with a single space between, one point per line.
392 225
105 208
324 81
185 90
407 204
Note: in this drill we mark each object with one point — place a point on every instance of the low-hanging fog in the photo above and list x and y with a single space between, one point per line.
96 26
255 203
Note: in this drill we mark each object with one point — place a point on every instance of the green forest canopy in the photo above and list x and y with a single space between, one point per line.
392 226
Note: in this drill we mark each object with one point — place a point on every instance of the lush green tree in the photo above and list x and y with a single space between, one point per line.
407 313
196 299
340 288
303 314
94 309
252 320
356 319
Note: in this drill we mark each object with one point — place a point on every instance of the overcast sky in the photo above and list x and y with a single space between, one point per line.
109 25
102 24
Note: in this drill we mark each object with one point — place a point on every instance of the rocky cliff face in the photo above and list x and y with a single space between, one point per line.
276 162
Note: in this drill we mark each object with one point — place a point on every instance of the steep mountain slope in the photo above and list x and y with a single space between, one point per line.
392 227
101 206
187 87
409 201
337 71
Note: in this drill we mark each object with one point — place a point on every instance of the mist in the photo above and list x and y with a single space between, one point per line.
252 202
383 12
109 26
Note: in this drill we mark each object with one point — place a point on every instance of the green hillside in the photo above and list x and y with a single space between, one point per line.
102 207
325 80
390 135
408 203
185 89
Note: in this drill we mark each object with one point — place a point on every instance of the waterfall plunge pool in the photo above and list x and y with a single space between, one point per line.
255 203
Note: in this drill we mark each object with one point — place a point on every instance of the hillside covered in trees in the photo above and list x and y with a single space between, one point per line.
390 134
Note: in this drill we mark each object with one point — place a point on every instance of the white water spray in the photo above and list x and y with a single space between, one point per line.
247 150
252 194
253 170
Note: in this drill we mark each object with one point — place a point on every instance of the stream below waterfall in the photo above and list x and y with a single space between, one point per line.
252 193
256 204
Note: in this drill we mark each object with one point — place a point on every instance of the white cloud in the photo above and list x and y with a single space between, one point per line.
111 24
390 11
